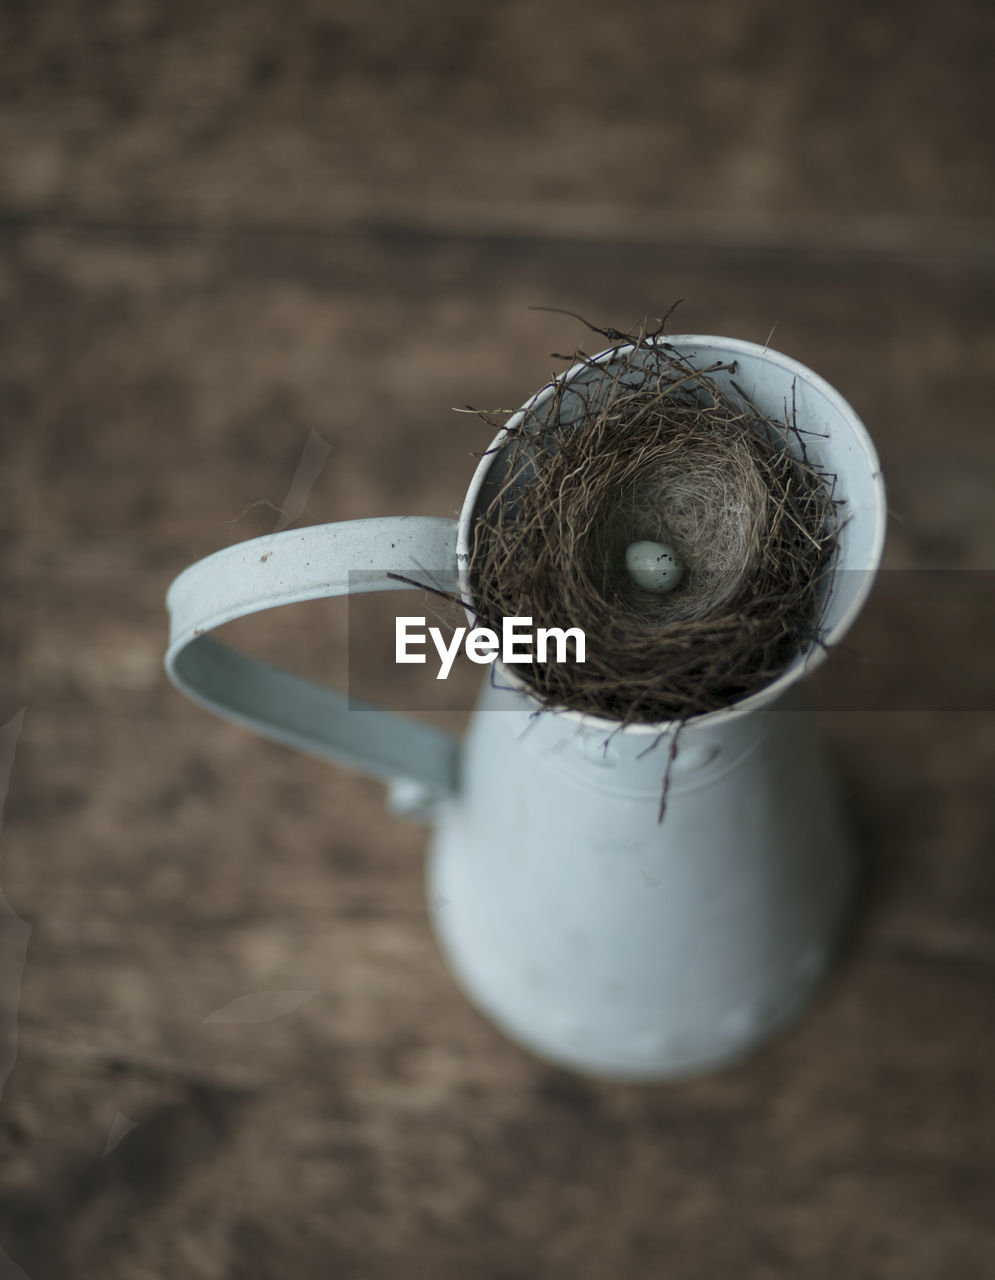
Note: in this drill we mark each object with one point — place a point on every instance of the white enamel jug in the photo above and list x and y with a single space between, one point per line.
594 935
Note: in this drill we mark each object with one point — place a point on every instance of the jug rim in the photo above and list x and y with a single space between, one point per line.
805 663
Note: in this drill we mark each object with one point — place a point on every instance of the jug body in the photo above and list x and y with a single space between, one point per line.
608 942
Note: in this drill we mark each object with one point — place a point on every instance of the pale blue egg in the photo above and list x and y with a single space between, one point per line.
653 566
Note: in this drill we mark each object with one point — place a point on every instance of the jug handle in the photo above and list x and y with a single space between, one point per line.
350 556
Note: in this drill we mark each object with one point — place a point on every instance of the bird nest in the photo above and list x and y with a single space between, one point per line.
643 447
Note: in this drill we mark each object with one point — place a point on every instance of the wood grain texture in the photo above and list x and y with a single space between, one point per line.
224 226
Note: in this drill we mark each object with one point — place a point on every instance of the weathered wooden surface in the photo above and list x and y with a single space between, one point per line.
224 226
